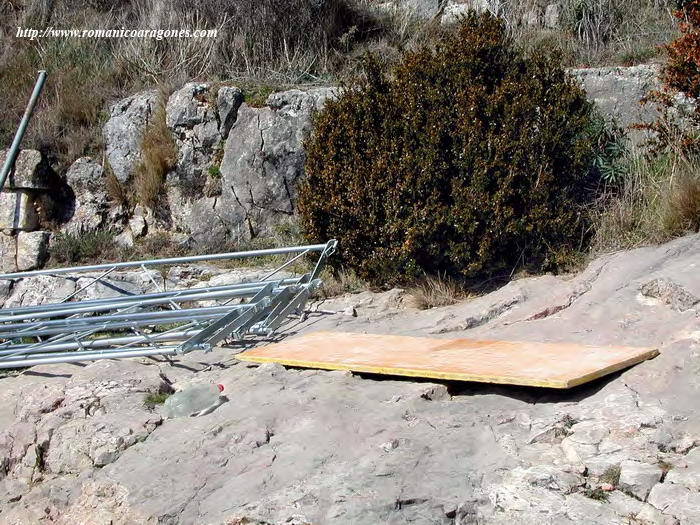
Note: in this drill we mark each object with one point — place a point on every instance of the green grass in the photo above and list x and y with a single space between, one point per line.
611 475
597 494
656 200
154 399
256 96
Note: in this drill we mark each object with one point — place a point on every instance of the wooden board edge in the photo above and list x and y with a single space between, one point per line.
586 378
406 372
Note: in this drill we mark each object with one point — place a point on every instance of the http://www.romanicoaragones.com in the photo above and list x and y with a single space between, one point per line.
158 34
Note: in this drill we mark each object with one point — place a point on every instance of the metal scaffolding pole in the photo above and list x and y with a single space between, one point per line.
19 135
163 322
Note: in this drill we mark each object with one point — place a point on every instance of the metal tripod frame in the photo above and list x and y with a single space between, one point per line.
159 322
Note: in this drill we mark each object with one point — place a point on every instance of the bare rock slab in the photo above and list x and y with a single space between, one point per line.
32 249
639 478
688 473
677 501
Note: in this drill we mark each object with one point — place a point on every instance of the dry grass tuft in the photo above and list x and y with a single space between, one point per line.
340 283
657 200
115 190
158 156
435 291
682 210
597 32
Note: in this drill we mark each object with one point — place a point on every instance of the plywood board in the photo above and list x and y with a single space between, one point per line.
554 365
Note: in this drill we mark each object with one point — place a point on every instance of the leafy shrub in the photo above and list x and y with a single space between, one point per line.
610 149
682 71
468 159
678 126
87 246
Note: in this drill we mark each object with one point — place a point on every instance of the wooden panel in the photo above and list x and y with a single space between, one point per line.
554 365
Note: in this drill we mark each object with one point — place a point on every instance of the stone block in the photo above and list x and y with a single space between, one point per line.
32 250
552 16
8 251
30 171
17 211
677 501
639 478
687 475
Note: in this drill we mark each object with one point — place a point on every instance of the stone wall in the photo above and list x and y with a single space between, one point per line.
618 93
546 13
22 246
237 166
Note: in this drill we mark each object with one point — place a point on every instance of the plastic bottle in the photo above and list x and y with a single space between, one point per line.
193 401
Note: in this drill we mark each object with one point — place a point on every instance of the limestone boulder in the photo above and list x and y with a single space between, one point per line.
618 92
639 478
39 290
191 114
30 171
262 164
123 131
32 249
89 208
8 253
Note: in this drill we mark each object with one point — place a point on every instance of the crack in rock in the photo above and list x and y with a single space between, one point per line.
489 314
578 292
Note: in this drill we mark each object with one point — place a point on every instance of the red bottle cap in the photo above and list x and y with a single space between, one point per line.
220 387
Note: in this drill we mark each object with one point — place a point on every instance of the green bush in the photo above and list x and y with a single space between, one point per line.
84 247
468 158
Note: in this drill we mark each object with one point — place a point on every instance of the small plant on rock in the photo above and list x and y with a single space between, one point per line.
158 156
597 494
79 248
152 400
435 291
611 475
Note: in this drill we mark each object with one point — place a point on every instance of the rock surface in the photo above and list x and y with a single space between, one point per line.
618 92
263 160
122 132
308 446
89 208
191 114
32 249
639 478
30 170
17 211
